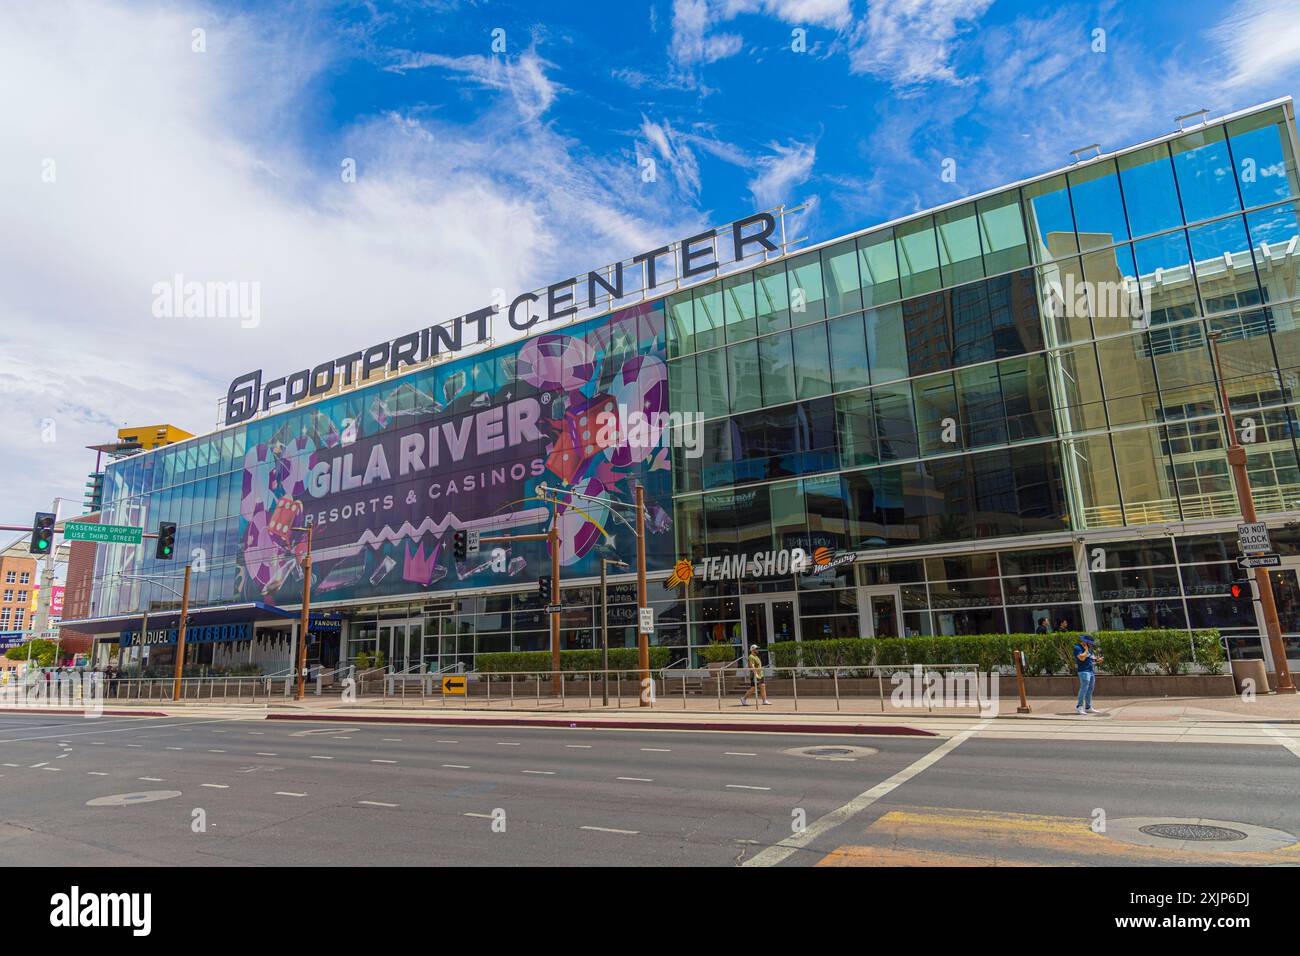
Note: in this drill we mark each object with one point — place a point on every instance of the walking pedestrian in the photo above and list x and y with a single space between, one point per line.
758 685
1085 660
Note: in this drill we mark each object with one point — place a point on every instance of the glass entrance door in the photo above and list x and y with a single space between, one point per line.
1286 594
768 619
878 609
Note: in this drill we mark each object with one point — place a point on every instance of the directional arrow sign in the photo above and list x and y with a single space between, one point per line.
454 686
1260 561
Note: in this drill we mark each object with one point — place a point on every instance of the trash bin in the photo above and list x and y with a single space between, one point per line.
1253 670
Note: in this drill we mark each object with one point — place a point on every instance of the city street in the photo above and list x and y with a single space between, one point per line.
199 790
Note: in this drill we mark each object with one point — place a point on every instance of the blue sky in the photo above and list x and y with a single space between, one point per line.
482 173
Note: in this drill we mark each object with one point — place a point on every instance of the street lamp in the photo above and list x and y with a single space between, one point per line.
604 629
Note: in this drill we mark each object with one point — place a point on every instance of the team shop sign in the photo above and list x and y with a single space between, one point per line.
762 564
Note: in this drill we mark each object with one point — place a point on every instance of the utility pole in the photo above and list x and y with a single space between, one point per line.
1241 479
553 543
604 628
180 634
305 620
642 639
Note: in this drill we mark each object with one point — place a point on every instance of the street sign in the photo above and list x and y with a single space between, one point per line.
102 533
471 543
554 608
647 616
453 686
1253 538
1259 561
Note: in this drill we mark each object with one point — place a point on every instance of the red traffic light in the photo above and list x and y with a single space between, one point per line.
1237 590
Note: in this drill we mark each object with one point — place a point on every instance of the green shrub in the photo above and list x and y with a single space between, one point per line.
720 653
620 658
1125 652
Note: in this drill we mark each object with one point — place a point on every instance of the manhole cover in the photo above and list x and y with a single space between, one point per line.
127 799
1194 832
1198 835
832 753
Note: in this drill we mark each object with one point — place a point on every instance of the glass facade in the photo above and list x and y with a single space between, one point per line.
1031 364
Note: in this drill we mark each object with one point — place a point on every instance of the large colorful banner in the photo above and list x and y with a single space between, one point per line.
385 475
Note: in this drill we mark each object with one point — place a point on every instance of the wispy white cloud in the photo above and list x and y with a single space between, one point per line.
781 172
1261 40
523 77
908 42
692 43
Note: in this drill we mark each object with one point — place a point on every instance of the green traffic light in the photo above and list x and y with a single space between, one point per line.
42 545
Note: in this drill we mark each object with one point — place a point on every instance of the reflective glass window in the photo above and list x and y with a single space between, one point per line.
1129 379
1051 221
682 395
708 316
918 257
1145 476
1063 301
1082 406
855 421
1026 397
960 256
681 324
1165 275
742 371
979 399
711 374
1225 268
1205 178
1111 292
895 421
1098 206
878 262
848 347
886 343
937 421
841 278
738 307
928 333
773 297
1261 152
1002 233
777 366
1150 196
812 365
807 296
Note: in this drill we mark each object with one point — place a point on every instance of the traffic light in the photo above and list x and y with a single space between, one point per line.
42 533
1240 588
166 549
460 545
544 589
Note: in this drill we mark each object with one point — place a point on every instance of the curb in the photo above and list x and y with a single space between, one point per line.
81 712
856 729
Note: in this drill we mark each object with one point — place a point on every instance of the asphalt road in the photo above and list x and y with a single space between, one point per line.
253 792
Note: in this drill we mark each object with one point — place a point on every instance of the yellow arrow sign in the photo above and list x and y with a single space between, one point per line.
454 686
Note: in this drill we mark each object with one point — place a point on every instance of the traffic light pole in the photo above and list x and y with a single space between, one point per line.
1241 479
305 619
180 634
552 539
642 638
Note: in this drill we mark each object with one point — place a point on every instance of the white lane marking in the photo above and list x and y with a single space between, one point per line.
737 753
1290 743
35 765
11 765
288 793
257 733
376 803
548 773
340 738
742 786
657 750
218 731
97 743
61 756
481 816
151 779
383 761
141 721
636 779
96 773
55 769
262 753
611 830
210 751
319 757
787 847
394 739
456 766
64 743
216 786
175 748
506 743
135 745
578 746
440 741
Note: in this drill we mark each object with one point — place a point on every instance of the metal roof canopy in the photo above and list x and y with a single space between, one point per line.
217 614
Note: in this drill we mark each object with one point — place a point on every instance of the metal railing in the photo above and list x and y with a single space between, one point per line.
348 669
806 686
240 689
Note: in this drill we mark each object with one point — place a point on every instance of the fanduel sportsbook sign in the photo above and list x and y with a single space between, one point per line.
696 256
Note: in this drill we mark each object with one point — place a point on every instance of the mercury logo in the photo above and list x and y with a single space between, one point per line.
75 909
